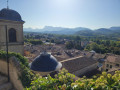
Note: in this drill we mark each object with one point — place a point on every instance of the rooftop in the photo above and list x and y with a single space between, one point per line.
113 58
76 64
45 63
9 14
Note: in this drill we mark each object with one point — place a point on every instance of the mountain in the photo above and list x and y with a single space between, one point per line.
56 30
100 31
103 31
85 33
115 28
77 31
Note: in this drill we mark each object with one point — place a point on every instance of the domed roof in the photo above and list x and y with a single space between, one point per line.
8 14
45 63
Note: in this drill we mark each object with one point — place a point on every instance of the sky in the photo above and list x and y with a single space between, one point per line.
67 13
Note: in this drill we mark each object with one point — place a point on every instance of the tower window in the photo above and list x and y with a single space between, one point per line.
12 35
110 66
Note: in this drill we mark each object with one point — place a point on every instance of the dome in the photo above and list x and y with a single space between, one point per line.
45 63
8 14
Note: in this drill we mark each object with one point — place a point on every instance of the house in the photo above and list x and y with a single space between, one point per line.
112 62
80 65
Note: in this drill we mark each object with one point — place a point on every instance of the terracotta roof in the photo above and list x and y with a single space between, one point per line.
113 59
78 63
98 56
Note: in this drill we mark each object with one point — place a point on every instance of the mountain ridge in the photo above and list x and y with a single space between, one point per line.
77 30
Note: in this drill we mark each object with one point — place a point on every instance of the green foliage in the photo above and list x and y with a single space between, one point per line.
21 59
65 81
69 45
74 44
33 41
104 46
104 82
61 81
26 75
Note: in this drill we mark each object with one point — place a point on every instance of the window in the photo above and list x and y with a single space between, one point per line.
107 65
110 66
117 65
106 70
12 35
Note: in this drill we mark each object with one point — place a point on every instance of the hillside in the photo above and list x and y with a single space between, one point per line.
76 31
56 30
113 31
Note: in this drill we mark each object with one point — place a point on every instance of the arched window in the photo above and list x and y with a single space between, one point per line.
12 35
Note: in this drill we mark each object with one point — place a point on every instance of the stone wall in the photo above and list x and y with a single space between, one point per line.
18 26
14 69
113 64
85 70
14 48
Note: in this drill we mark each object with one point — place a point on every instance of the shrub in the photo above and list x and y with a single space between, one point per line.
65 81
62 81
26 75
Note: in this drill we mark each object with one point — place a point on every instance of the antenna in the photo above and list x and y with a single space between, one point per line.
7 5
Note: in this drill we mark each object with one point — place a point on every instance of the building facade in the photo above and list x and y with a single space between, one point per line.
111 63
11 21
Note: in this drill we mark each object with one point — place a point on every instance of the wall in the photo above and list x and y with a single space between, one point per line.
18 26
14 48
110 63
14 69
85 70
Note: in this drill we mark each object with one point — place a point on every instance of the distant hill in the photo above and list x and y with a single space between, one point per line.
85 33
56 30
103 31
77 31
100 31
115 28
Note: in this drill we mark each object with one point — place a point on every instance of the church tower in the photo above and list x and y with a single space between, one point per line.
12 20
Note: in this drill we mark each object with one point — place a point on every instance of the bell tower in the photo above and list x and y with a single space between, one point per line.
14 25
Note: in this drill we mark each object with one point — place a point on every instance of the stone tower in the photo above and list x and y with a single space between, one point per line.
14 23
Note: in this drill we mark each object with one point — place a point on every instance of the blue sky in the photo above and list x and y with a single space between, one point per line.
67 13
